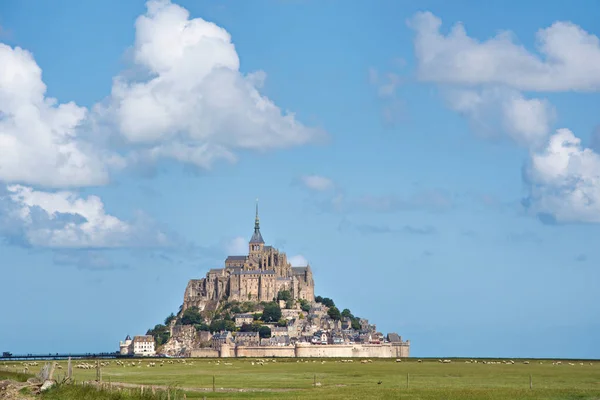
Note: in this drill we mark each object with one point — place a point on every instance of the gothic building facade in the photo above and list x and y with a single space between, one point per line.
257 276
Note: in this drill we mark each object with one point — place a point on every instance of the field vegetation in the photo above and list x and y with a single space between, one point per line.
336 378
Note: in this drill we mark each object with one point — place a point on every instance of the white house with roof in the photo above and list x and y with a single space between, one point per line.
143 345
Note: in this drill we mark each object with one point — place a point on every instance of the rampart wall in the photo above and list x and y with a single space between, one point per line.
385 350
212 353
265 351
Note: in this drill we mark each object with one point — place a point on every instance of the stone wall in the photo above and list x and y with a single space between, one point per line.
265 351
385 350
200 353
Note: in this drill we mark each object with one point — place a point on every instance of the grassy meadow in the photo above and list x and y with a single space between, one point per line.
379 379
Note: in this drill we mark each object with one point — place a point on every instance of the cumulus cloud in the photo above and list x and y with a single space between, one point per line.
316 182
237 246
494 111
184 99
564 181
64 220
40 143
569 57
195 106
298 261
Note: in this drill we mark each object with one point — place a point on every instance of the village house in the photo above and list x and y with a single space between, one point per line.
247 339
138 346
221 338
241 319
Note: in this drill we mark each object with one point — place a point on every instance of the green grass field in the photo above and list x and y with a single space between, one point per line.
381 379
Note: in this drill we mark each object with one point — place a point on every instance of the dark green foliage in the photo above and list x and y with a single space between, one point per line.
347 314
282 322
191 316
160 333
355 324
257 316
250 328
327 302
218 325
169 319
271 313
202 327
248 306
334 313
304 305
284 295
264 332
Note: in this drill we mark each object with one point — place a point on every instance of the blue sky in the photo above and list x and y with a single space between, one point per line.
438 166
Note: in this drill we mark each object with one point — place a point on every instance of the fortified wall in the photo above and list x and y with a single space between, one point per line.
302 350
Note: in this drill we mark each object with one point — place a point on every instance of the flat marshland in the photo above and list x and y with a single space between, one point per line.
339 379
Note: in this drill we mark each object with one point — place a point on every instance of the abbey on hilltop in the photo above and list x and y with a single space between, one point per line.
258 276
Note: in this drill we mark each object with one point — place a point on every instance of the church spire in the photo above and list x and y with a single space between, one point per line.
257 237
256 220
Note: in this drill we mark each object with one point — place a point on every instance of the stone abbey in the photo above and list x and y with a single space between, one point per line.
258 276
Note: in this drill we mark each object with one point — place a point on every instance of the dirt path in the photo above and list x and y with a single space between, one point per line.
9 390
186 389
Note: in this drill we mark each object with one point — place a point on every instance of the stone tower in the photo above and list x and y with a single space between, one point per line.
257 243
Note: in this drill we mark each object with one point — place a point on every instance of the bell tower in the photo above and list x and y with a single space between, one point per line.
256 241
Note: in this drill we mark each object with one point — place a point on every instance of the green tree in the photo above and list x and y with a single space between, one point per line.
282 322
202 327
169 319
217 325
160 333
327 302
191 316
318 299
304 305
284 295
347 314
356 324
248 306
334 313
250 327
271 313
264 332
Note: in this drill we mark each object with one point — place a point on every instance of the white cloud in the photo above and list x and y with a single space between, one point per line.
298 261
564 180
195 106
39 141
494 111
569 57
65 220
317 182
237 246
